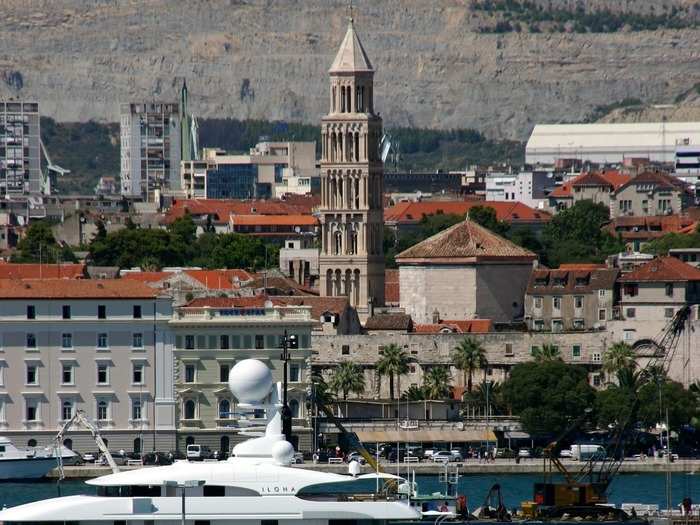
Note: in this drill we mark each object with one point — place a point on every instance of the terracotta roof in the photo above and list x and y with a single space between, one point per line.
662 269
146 277
561 192
222 209
661 181
257 301
319 305
278 283
220 279
612 178
465 240
413 212
568 281
457 327
649 227
690 229
401 322
274 220
75 289
582 266
391 287
41 271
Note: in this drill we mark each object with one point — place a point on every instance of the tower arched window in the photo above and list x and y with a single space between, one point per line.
329 283
337 243
333 95
342 99
224 409
353 242
189 409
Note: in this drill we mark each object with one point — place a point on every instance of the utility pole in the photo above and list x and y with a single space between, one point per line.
288 342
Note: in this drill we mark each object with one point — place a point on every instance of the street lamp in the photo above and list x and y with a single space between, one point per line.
183 486
288 342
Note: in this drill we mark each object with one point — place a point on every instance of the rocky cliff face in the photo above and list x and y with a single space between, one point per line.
268 59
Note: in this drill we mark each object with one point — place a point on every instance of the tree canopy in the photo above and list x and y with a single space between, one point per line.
662 245
39 245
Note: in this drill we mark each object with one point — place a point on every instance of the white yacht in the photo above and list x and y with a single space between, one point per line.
27 463
256 486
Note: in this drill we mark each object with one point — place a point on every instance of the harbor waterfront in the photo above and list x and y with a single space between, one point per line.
644 488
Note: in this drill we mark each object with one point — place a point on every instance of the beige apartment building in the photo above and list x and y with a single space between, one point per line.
574 297
102 346
211 336
650 193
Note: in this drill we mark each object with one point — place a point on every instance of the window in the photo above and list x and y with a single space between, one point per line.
534 349
31 311
31 410
509 349
223 373
190 374
102 410
596 380
602 314
189 409
136 409
137 311
137 340
579 324
137 374
557 325
101 311
224 409
668 313
66 341
67 374
102 374
630 313
578 301
576 352
102 341
189 342
669 289
538 302
601 293
629 335
67 410
66 313
294 373
259 342
224 342
294 407
32 375
631 289
556 303
596 357
538 324
31 341
345 350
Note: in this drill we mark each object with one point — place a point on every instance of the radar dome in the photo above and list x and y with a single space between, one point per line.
250 381
282 452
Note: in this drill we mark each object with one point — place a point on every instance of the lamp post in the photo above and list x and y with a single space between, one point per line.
183 486
288 342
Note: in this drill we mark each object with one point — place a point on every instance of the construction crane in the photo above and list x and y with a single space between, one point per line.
81 418
52 170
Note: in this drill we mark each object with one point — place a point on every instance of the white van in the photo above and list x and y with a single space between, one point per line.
586 452
198 452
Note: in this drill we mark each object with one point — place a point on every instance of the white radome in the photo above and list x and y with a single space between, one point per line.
282 452
250 381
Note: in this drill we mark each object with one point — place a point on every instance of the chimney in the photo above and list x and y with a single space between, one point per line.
436 316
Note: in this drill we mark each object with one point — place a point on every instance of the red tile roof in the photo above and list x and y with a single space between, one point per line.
391 287
41 271
257 301
222 209
220 279
466 241
319 305
458 327
146 277
75 289
612 178
413 212
650 227
663 269
274 220
582 266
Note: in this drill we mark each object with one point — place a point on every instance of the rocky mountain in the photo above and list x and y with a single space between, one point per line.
268 59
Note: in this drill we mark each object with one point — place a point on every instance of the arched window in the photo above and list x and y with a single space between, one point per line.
338 243
353 242
329 282
189 440
137 446
224 409
294 407
224 445
67 410
342 99
31 443
68 443
101 410
189 409
357 147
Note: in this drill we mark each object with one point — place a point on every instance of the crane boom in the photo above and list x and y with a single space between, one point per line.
82 419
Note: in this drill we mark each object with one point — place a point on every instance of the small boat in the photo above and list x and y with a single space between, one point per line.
24 463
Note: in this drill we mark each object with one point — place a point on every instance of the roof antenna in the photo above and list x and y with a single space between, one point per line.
350 11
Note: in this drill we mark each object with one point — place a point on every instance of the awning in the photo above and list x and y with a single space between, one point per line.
425 436
516 434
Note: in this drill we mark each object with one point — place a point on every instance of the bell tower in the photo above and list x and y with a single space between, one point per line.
352 187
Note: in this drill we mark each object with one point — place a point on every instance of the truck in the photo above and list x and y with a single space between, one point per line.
582 452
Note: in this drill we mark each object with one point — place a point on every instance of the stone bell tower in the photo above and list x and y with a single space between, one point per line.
352 187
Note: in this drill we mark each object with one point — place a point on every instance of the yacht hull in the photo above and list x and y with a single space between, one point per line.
25 468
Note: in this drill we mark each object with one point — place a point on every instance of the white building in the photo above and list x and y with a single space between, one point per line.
20 156
609 143
150 149
526 187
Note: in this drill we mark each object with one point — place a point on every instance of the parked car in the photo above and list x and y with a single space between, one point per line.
456 455
156 458
505 453
524 453
428 453
298 458
442 456
89 457
566 453
177 454
198 452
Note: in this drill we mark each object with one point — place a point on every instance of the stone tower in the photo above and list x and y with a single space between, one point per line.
352 188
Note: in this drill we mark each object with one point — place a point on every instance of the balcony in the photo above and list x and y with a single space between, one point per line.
246 315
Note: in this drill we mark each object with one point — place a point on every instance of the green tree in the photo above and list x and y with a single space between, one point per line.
486 217
546 352
467 356
431 224
393 363
575 235
39 245
346 378
413 393
656 399
620 355
662 245
320 391
546 394
436 383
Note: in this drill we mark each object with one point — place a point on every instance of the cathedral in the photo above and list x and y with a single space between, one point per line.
352 186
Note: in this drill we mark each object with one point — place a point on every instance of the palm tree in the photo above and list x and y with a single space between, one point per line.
469 355
394 362
414 393
618 356
320 391
546 353
655 374
436 383
630 380
348 377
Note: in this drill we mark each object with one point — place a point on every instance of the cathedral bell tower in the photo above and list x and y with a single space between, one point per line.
352 187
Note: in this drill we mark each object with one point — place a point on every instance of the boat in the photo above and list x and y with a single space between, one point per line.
24 463
255 486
